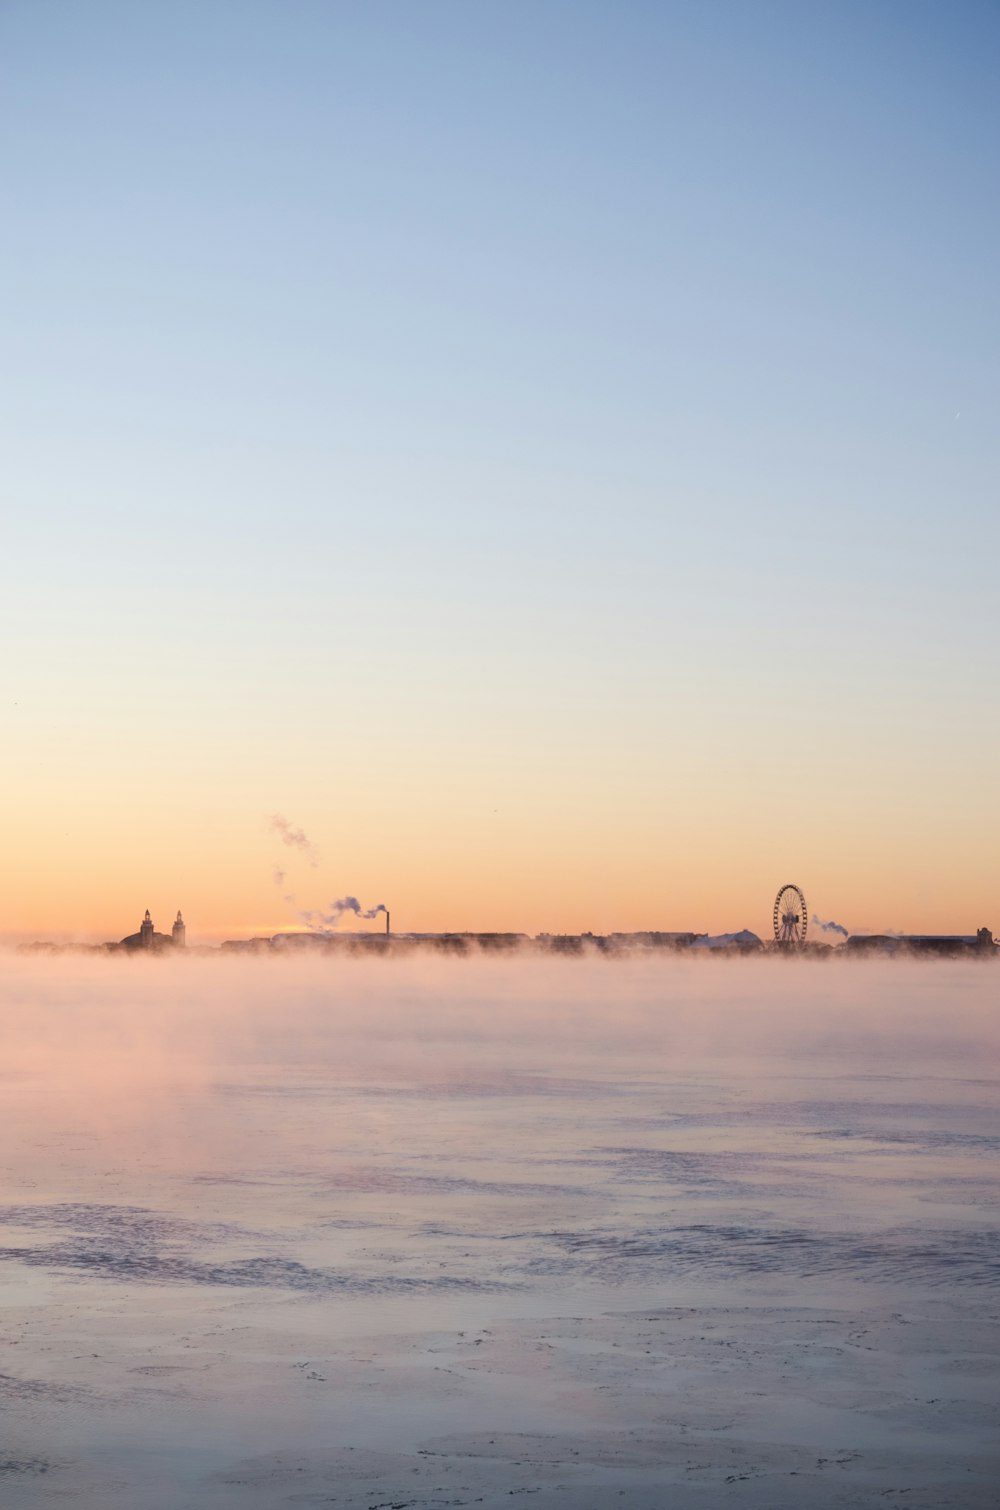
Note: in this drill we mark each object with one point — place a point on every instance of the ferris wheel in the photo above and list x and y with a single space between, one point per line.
790 915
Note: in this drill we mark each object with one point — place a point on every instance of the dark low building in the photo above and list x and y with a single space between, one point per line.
948 945
651 939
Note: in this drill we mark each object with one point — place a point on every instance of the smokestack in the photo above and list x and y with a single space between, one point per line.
387 922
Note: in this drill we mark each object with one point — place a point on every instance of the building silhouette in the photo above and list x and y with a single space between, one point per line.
148 938
951 945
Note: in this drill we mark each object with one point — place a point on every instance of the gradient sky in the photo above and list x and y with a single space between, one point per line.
547 450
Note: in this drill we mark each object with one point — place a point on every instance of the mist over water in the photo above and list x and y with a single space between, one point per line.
311 1231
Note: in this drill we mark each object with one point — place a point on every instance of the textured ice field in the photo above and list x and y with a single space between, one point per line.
444 1233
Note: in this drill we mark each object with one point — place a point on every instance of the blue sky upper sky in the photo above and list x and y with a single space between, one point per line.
581 408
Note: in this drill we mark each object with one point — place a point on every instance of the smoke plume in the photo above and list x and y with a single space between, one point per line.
330 918
831 927
295 838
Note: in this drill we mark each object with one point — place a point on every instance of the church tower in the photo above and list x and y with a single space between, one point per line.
146 932
178 932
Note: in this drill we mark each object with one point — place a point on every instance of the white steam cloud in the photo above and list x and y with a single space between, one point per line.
336 910
315 918
831 927
295 838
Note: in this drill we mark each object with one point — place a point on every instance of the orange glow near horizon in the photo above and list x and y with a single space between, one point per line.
604 873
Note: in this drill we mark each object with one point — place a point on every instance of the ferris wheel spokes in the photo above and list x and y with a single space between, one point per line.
791 916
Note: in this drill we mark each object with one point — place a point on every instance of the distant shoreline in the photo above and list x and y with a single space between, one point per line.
567 946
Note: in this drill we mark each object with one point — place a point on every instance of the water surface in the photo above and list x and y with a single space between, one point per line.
444 1232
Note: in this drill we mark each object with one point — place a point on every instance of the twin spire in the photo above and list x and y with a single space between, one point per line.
147 933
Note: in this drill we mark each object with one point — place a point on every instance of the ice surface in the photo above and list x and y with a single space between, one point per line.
422 1233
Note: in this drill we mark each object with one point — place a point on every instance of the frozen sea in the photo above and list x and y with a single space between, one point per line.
423 1233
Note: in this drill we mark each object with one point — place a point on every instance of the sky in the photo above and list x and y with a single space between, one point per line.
546 451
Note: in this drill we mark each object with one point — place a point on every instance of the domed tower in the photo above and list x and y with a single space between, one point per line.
178 932
146 932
